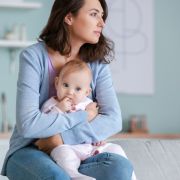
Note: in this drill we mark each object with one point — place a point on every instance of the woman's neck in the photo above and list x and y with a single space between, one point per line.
59 60
75 47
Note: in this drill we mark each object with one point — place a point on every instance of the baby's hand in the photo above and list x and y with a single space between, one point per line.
65 104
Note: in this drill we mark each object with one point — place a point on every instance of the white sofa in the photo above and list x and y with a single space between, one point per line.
152 159
4 143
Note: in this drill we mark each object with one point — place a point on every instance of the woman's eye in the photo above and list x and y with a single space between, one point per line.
65 85
78 89
94 14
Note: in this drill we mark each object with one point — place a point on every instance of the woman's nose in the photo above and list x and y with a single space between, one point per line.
101 22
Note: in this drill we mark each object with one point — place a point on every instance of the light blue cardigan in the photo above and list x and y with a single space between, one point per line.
32 92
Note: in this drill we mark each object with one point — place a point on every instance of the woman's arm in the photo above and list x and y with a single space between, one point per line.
30 121
108 122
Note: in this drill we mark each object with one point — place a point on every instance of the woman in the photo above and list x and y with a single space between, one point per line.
74 30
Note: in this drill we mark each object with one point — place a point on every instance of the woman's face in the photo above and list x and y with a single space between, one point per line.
87 26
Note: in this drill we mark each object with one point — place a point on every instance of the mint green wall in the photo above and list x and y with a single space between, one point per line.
162 108
34 20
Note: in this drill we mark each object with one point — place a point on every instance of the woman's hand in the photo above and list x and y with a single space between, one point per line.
100 143
92 110
48 144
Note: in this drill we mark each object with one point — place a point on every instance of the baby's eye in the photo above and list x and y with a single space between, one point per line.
65 85
78 89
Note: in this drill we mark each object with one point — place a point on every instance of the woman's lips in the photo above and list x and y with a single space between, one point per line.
98 33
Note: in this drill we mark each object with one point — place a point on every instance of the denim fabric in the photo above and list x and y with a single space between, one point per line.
31 164
107 166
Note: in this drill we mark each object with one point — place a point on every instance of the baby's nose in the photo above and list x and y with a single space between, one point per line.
71 91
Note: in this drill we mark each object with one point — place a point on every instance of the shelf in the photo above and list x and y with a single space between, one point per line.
5 135
146 135
21 5
15 44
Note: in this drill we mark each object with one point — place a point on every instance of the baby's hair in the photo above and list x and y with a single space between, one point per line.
75 66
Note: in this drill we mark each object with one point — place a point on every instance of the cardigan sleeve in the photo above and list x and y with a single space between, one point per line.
108 121
30 121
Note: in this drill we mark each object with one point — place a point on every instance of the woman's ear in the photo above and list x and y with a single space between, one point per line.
56 82
68 19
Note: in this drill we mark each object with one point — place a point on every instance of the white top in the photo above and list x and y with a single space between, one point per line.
50 105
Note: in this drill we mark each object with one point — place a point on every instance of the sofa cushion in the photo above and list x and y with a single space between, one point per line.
4 144
153 159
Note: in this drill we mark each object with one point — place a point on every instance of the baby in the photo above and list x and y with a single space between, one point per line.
73 89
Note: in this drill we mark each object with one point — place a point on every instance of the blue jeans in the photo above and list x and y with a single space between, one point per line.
31 164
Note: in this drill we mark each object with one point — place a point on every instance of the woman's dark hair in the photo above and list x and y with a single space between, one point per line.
56 34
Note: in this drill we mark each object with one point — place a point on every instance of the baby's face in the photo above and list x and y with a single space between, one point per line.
75 86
